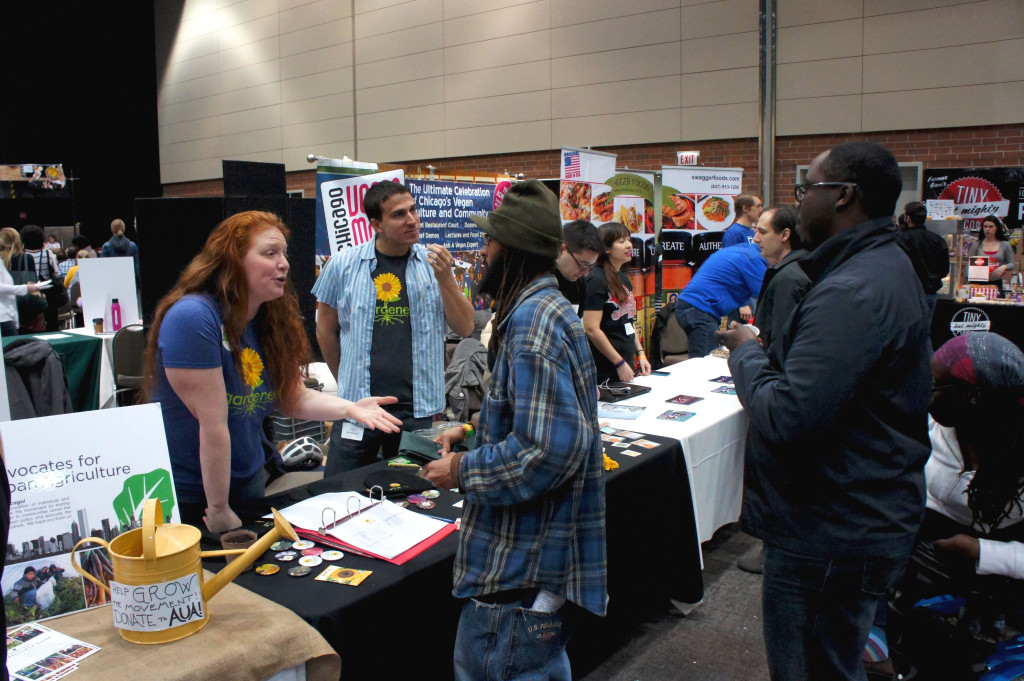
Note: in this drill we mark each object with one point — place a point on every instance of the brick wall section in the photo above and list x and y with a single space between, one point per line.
981 147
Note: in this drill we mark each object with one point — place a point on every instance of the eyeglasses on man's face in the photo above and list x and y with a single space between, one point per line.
800 190
585 266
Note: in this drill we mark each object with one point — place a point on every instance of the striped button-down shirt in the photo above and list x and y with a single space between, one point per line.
346 284
534 512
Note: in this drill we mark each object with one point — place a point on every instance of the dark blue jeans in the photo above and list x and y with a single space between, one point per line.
700 328
818 611
504 641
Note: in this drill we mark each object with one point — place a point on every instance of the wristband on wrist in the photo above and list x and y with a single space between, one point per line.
640 353
468 427
621 362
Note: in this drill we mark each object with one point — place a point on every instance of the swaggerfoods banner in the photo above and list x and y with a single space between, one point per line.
978 192
696 207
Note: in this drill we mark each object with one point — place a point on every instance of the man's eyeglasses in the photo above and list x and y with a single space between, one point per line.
585 266
800 190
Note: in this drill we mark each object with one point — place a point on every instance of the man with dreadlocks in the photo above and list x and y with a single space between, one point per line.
531 548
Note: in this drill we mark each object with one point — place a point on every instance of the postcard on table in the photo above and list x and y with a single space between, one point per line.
684 399
721 379
725 390
676 415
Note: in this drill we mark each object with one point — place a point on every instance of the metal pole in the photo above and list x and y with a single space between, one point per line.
766 134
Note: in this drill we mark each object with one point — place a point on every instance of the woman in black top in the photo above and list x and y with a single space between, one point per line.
609 312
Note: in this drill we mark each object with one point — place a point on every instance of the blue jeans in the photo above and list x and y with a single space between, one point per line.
700 328
504 641
818 611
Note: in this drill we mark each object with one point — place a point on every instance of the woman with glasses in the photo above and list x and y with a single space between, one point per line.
996 245
609 310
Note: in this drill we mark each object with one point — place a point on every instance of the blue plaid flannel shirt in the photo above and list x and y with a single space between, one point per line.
534 511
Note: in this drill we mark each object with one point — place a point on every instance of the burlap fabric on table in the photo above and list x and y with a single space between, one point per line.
248 638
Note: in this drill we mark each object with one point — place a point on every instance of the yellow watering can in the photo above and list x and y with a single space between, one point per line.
158 591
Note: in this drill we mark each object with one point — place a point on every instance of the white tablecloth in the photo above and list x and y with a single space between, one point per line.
712 439
106 396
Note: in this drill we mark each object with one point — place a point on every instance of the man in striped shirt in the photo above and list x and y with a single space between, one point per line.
380 324
532 542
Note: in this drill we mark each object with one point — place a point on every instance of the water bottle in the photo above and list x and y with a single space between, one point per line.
115 315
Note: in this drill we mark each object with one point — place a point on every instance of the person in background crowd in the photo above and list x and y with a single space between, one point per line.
72 276
975 474
52 244
995 243
46 269
82 243
730 277
748 210
12 255
531 552
609 311
785 282
231 327
69 261
120 246
928 251
833 475
380 323
783 286
581 247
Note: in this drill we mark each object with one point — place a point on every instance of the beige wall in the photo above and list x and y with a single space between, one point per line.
399 80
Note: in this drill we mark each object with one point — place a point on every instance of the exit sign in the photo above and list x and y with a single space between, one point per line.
687 158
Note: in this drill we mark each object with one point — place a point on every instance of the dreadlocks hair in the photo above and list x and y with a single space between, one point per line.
997 487
519 268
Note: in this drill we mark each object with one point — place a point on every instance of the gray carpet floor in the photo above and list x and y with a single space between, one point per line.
720 640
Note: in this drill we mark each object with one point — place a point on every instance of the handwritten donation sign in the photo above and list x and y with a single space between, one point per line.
156 607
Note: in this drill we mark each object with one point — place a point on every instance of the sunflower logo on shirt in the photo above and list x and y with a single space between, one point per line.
389 290
252 368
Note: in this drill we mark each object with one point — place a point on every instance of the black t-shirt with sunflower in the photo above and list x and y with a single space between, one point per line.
391 350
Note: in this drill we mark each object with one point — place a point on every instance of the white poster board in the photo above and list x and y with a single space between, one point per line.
74 476
342 201
103 280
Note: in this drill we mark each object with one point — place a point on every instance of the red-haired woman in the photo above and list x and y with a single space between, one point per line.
226 348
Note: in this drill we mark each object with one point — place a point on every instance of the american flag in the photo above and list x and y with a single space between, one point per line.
571 160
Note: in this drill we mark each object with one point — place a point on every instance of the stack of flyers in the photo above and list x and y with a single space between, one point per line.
37 653
676 415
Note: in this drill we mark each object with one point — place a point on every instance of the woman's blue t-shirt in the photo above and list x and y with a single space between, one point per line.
192 337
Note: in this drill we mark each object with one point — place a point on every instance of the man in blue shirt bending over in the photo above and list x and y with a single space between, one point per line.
380 324
726 280
531 548
748 210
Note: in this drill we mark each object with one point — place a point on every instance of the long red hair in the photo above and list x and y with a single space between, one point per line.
219 271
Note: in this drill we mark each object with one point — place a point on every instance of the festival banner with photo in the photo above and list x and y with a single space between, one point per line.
94 486
697 206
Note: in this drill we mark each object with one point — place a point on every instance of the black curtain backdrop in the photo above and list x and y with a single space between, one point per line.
80 89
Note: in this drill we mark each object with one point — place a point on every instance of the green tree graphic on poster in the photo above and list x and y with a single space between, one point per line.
128 504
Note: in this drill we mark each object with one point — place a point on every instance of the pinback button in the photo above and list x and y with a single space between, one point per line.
267 569
303 544
332 555
431 494
286 556
310 561
315 551
298 571
426 504
403 503
281 545
415 498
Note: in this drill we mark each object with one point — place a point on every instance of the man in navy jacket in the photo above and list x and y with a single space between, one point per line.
833 479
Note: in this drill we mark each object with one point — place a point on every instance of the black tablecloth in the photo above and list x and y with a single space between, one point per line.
402 619
953 318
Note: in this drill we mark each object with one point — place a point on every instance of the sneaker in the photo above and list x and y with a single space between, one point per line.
752 562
